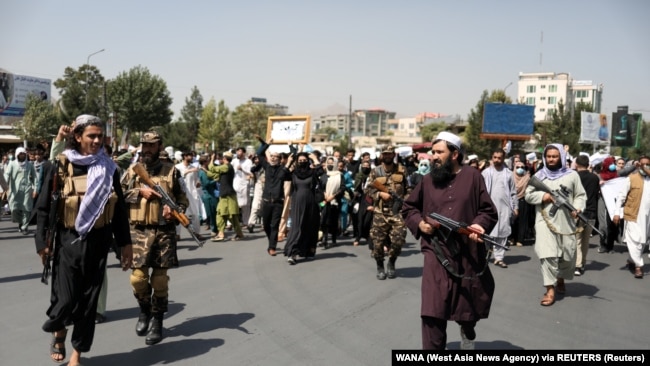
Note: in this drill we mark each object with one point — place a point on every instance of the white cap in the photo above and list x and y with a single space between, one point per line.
472 157
450 138
583 153
20 150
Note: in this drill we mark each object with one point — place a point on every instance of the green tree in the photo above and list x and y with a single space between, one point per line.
430 130
249 119
178 135
564 127
207 135
473 141
40 121
81 92
191 113
223 131
140 100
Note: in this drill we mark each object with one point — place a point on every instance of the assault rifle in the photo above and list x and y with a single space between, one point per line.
464 229
50 233
560 199
166 200
397 200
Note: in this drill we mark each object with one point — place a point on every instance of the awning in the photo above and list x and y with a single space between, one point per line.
422 147
10 139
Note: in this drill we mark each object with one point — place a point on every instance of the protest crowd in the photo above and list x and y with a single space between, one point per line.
363 198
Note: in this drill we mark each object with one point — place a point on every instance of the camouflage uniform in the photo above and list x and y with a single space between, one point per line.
154 238
388 228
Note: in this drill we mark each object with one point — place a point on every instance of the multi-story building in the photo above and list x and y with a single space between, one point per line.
545 90
364 122
277 109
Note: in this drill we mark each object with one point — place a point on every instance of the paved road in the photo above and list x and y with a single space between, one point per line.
232 304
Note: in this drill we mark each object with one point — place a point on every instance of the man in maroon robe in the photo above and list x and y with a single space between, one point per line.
462 290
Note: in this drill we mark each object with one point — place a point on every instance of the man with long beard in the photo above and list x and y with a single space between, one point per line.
456 281
154 235
387 226
555 236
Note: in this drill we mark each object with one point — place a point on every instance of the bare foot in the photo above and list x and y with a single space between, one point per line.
75 358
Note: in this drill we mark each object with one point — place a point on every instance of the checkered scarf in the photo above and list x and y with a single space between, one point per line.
99 185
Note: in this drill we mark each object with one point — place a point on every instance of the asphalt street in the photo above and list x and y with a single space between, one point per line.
233 304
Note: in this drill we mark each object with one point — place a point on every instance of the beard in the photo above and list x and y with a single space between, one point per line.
387 161
554 167
442 172
148 159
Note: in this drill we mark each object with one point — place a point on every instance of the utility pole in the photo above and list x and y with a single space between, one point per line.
350 124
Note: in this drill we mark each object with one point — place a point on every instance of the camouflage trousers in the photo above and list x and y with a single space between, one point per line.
389 231
153 247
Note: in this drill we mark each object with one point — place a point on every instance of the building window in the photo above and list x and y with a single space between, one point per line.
530 100
542 110
552 88
530 89
551 111
542 86
582 93
542 78
552 100
542 98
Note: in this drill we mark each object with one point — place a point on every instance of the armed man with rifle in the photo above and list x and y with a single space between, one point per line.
559 199
387 187
153 220
80 209
456 280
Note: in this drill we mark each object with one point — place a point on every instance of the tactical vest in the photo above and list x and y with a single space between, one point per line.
149 212
393 181
72 193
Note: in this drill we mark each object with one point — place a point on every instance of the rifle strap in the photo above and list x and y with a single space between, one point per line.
446 263
555 230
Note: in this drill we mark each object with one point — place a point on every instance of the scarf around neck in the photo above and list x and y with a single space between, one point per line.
99 185
546 173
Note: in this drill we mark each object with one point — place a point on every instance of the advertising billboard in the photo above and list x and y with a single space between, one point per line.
626 129
508 121
14 90
594 128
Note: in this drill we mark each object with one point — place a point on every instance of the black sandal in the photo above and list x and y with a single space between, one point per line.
56 350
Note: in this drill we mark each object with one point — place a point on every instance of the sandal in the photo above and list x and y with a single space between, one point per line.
56 352
500 264
219 238
547 300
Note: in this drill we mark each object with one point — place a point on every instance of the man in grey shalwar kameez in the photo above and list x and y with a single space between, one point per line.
500 185
21 179
555 241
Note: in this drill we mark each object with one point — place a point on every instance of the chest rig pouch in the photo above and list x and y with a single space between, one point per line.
73 192
149 212
395 183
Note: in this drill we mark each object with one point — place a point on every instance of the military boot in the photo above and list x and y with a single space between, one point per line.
155 332
391 267
142 326
381 273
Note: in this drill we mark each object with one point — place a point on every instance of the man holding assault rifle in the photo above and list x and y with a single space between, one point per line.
456 281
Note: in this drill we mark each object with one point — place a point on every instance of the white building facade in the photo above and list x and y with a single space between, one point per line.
545 90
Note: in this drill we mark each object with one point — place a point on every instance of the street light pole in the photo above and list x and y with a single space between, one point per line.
88 72
506 87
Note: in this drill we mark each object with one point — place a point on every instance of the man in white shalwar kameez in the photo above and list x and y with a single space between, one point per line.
190 176
634 208
242 166
555 239
500 185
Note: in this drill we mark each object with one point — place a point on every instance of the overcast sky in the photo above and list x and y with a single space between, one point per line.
404 56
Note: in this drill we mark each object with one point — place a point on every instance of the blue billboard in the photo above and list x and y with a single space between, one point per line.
511 120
